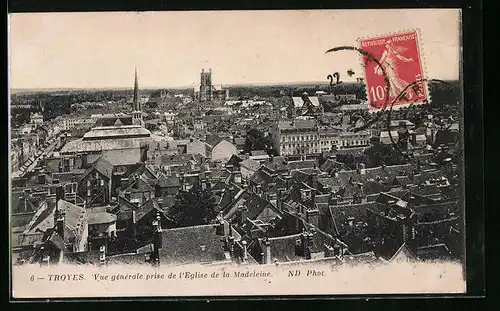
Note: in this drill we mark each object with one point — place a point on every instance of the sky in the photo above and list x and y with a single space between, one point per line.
101 49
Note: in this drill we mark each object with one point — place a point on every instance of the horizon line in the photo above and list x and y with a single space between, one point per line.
69 88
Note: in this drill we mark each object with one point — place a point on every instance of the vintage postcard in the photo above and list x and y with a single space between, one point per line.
236 153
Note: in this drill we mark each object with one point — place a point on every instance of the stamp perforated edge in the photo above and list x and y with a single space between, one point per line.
423 68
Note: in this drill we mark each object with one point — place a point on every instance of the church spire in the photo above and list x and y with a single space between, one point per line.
137 113
136 103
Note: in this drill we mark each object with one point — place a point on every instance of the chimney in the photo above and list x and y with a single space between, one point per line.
361 169
230 242
329 251
237 178
226 228
334 199
305 243
123 182
45 257
279 199
305 194
245 250
157 232
59 222
243 210
102 255
267 252
288 181
51 200
312 217
42 180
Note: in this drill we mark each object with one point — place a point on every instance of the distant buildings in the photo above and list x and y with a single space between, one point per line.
205 91
36 119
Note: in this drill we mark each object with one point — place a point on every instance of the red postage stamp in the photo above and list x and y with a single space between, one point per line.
402 74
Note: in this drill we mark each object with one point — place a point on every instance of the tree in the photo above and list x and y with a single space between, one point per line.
193 207
379 154
255 140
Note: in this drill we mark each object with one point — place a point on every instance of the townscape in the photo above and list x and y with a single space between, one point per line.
235 174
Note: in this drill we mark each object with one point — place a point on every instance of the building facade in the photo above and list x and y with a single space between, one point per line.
304 136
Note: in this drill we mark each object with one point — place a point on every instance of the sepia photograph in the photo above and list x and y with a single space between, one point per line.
236 153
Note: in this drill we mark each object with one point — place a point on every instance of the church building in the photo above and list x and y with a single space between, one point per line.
115 136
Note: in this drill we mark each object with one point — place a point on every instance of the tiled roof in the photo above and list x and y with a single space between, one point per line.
434 252
44 219
122 156
297 124
101 218
131 259
168 181
198 244
250 164
213 140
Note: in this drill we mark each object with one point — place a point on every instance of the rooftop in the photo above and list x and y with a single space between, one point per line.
112 132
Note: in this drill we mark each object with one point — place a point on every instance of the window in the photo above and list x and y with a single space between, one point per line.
102 182
88 183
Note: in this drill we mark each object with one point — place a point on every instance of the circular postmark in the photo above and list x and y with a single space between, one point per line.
416 87
369 57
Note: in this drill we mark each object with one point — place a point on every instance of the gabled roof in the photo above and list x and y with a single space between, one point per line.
298 102
102 166
148 207
403 253
139 185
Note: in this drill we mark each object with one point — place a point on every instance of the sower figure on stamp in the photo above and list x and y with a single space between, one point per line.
389 60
